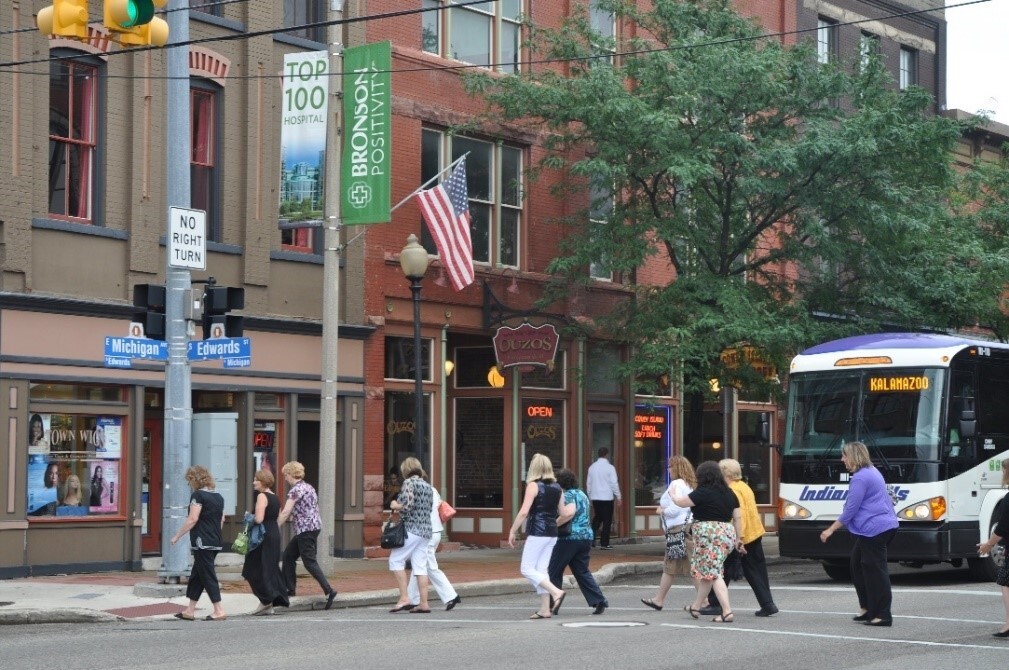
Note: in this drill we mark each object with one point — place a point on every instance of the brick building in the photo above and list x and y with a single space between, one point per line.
82 220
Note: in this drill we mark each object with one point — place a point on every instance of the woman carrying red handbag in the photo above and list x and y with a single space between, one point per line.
446 592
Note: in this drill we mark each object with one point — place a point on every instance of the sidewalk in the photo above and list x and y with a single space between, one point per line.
115 596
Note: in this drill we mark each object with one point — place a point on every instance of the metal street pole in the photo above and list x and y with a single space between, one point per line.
418 376
178 382
328 410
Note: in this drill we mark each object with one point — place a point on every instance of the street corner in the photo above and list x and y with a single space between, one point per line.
19 616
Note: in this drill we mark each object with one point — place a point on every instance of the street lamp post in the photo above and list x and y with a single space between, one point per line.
413 260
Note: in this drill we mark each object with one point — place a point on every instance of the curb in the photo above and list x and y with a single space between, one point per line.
65 615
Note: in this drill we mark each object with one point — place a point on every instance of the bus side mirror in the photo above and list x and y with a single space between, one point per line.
968 424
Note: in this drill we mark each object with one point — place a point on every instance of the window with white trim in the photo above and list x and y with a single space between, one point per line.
908 67
868 46
603 22
600 210
304 13
485 34
494 185
826 40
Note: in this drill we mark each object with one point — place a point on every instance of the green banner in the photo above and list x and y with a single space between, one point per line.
367 131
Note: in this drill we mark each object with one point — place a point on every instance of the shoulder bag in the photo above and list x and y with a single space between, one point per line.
676 541
241 543
445 511
997 555
393 534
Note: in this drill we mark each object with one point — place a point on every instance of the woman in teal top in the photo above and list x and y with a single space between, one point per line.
572 548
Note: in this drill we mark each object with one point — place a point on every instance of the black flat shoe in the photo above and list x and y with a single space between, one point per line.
880 622
1001 633
452 603
864 616
330 598
600 608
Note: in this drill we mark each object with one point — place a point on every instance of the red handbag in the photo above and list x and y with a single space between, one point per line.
445 511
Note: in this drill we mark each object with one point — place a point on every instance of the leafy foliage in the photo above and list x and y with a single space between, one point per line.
792 201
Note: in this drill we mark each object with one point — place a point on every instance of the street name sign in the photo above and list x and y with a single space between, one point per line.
236 352
187 238
121 351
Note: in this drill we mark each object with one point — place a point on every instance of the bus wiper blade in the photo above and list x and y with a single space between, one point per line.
870 442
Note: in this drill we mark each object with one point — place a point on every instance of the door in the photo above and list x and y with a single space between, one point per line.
151 483
603 427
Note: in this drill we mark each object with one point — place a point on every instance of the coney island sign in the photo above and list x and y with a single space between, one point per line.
526 345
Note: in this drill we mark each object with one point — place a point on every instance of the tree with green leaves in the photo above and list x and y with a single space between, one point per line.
787 201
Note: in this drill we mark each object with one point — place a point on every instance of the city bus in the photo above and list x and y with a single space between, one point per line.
933 411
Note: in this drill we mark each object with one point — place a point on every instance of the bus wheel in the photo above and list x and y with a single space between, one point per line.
839 572
984 569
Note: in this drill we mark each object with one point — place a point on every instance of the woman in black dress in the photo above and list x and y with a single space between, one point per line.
261 568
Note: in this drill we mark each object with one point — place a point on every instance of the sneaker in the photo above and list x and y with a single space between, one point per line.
608 547
767 611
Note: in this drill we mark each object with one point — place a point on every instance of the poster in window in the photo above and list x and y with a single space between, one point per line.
264 436
104 486
43 485
38 434
106 437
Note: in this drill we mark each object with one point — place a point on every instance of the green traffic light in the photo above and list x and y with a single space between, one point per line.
140 12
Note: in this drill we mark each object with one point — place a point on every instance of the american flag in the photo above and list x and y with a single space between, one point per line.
446 211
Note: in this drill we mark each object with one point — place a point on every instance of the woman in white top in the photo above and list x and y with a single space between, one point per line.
435 575
681 472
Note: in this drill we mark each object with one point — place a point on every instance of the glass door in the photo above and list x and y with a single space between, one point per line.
150 491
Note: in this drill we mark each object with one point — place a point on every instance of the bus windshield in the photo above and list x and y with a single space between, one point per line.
896 412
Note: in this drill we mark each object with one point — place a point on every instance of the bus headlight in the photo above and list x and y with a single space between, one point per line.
932 509
789 510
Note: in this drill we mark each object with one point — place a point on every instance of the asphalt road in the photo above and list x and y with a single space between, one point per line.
943 620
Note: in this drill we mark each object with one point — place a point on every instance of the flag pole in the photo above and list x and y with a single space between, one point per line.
428 182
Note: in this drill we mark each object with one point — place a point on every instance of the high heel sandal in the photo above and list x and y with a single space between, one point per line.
690 610
727 617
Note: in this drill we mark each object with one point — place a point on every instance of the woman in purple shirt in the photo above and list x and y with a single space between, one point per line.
868 514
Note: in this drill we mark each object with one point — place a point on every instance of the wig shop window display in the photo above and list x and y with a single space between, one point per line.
74 465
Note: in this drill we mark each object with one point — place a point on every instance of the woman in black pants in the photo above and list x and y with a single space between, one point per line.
998 536
572 549
204 523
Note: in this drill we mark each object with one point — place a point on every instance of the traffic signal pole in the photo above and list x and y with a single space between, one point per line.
178 382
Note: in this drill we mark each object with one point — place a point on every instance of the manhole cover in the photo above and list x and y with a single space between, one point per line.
605 624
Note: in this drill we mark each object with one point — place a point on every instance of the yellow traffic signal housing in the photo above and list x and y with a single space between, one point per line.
134 24
66 18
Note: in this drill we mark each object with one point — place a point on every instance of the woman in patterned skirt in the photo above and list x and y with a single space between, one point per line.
716 529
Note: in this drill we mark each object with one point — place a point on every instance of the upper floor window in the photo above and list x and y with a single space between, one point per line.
204 164
214 7
868 46
826 40
604 23
908 67
494 182
600 209
304 13
73 138
485 34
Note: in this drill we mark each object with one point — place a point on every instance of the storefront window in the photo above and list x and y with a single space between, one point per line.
472 365
89 392
652 430
547 378
264 440
601 377
543 430
479 452
400 438
74 465
399 358
213 400
754 457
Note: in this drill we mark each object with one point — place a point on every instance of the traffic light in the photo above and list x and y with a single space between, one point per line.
149 299
66 18
217 302
134 23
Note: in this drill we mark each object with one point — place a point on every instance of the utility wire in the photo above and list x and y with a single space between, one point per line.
466 66
206 5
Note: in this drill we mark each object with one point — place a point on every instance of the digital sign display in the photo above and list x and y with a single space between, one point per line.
881 384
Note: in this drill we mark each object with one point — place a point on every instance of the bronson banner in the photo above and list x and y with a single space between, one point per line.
366 134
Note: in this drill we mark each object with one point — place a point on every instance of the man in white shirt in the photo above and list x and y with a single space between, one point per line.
603 490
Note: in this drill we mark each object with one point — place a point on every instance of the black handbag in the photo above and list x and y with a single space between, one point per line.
733 566
394 534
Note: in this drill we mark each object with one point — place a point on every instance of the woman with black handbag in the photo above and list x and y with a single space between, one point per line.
716 529
675 521
414 504
998 537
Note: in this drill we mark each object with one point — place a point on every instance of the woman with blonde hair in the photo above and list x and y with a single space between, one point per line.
302 508
998 536
542 504
260 568
869 516
73 497
204 523
675 519
413 504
